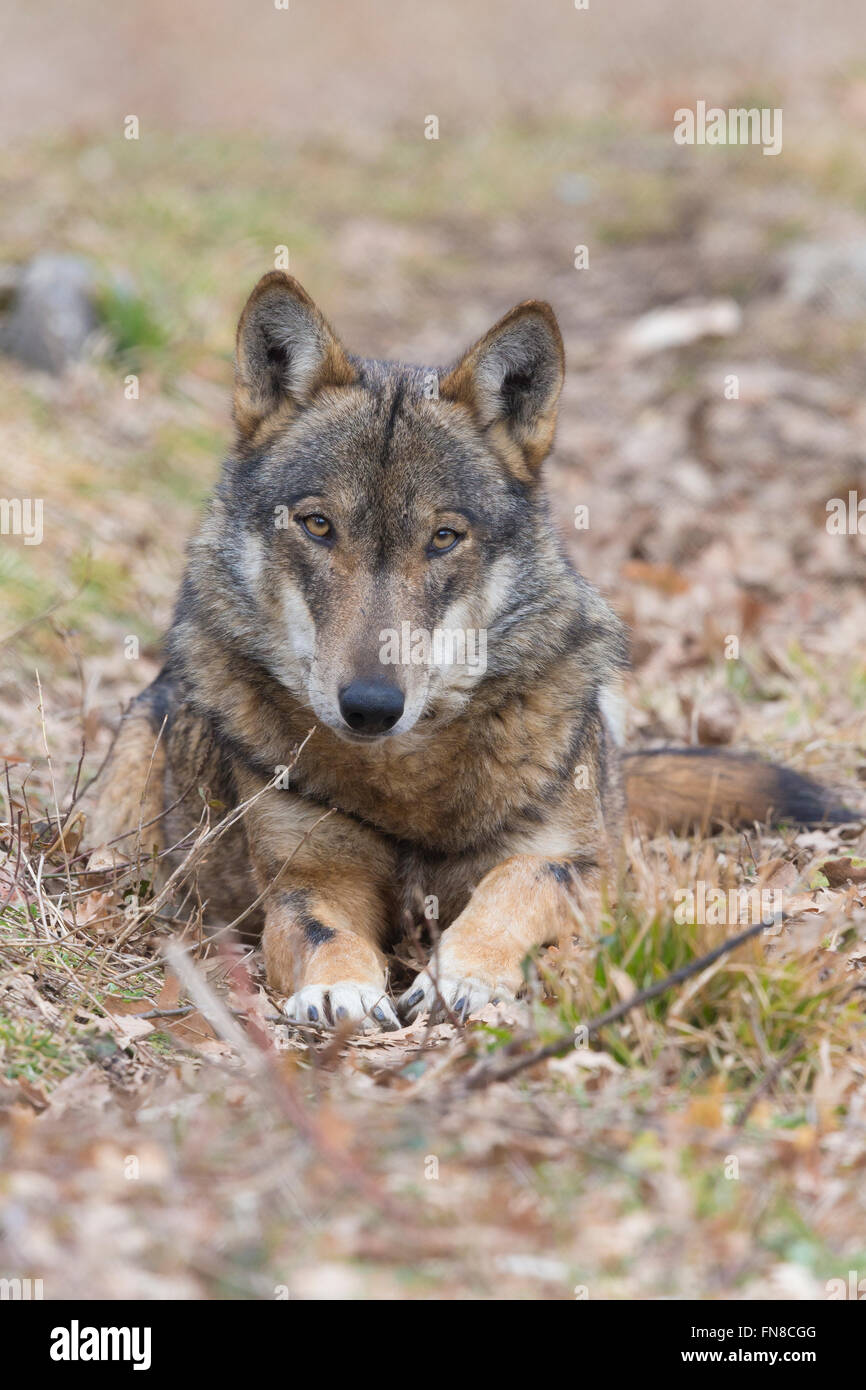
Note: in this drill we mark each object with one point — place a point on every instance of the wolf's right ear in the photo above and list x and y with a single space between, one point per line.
285 352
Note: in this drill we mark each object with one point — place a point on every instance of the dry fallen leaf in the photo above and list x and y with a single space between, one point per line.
717 718
777 873
126 1027
838 872
584 1059
662 577
100 912
193 1029
33 1094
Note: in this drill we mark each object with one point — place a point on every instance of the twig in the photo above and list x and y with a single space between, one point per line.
167 1013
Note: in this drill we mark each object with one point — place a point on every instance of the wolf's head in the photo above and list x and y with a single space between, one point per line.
380 525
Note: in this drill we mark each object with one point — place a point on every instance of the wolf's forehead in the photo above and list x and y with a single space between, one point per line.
382 440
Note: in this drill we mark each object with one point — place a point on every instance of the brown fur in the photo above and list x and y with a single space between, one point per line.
496 799
699 789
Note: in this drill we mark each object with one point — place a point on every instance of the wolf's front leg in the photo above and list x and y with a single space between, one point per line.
525 901
326 910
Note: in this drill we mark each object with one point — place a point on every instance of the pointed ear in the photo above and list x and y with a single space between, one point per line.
285 353
511 381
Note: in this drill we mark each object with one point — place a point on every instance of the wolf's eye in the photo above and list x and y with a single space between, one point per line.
443 539
317 526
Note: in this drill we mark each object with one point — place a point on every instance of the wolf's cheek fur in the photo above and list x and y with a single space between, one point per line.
279 624
300 630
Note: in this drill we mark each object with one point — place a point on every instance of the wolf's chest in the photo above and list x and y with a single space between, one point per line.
459 790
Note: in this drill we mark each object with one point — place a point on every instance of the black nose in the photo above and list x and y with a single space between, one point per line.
371 706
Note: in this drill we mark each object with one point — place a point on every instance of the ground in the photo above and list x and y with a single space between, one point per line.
163 1134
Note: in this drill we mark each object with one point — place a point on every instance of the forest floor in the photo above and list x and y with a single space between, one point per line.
162 1134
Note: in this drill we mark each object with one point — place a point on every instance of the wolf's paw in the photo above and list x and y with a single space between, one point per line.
363 1008
460 995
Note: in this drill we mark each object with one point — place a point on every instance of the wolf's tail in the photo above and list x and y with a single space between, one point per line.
682 788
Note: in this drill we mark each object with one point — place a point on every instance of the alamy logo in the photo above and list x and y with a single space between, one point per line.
443 646
77 1343
737 126
22 516
20 1289
847 519
736 906
854 1288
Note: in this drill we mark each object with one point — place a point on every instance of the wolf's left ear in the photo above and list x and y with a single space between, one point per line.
511 381
285 352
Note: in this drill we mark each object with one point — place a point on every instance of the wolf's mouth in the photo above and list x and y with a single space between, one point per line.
351 737
347 735
362 740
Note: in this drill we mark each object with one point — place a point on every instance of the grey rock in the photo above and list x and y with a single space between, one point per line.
829 276
574 189
52 314
10 279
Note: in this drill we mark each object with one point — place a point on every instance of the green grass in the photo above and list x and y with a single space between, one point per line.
745 1010
131 322
37 1054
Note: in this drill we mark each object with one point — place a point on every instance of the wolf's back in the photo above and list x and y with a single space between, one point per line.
678 789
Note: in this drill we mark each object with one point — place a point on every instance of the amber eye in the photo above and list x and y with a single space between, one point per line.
317 526
443 539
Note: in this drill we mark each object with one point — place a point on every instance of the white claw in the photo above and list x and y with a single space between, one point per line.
349 1004
442 995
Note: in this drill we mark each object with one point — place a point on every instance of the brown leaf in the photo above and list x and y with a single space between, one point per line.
121 1008
778 873
665 578
717 718
801 902
838 872
193 1029
169 995
34 1095
126 1027
99 911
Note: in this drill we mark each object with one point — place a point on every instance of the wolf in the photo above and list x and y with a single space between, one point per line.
390 782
